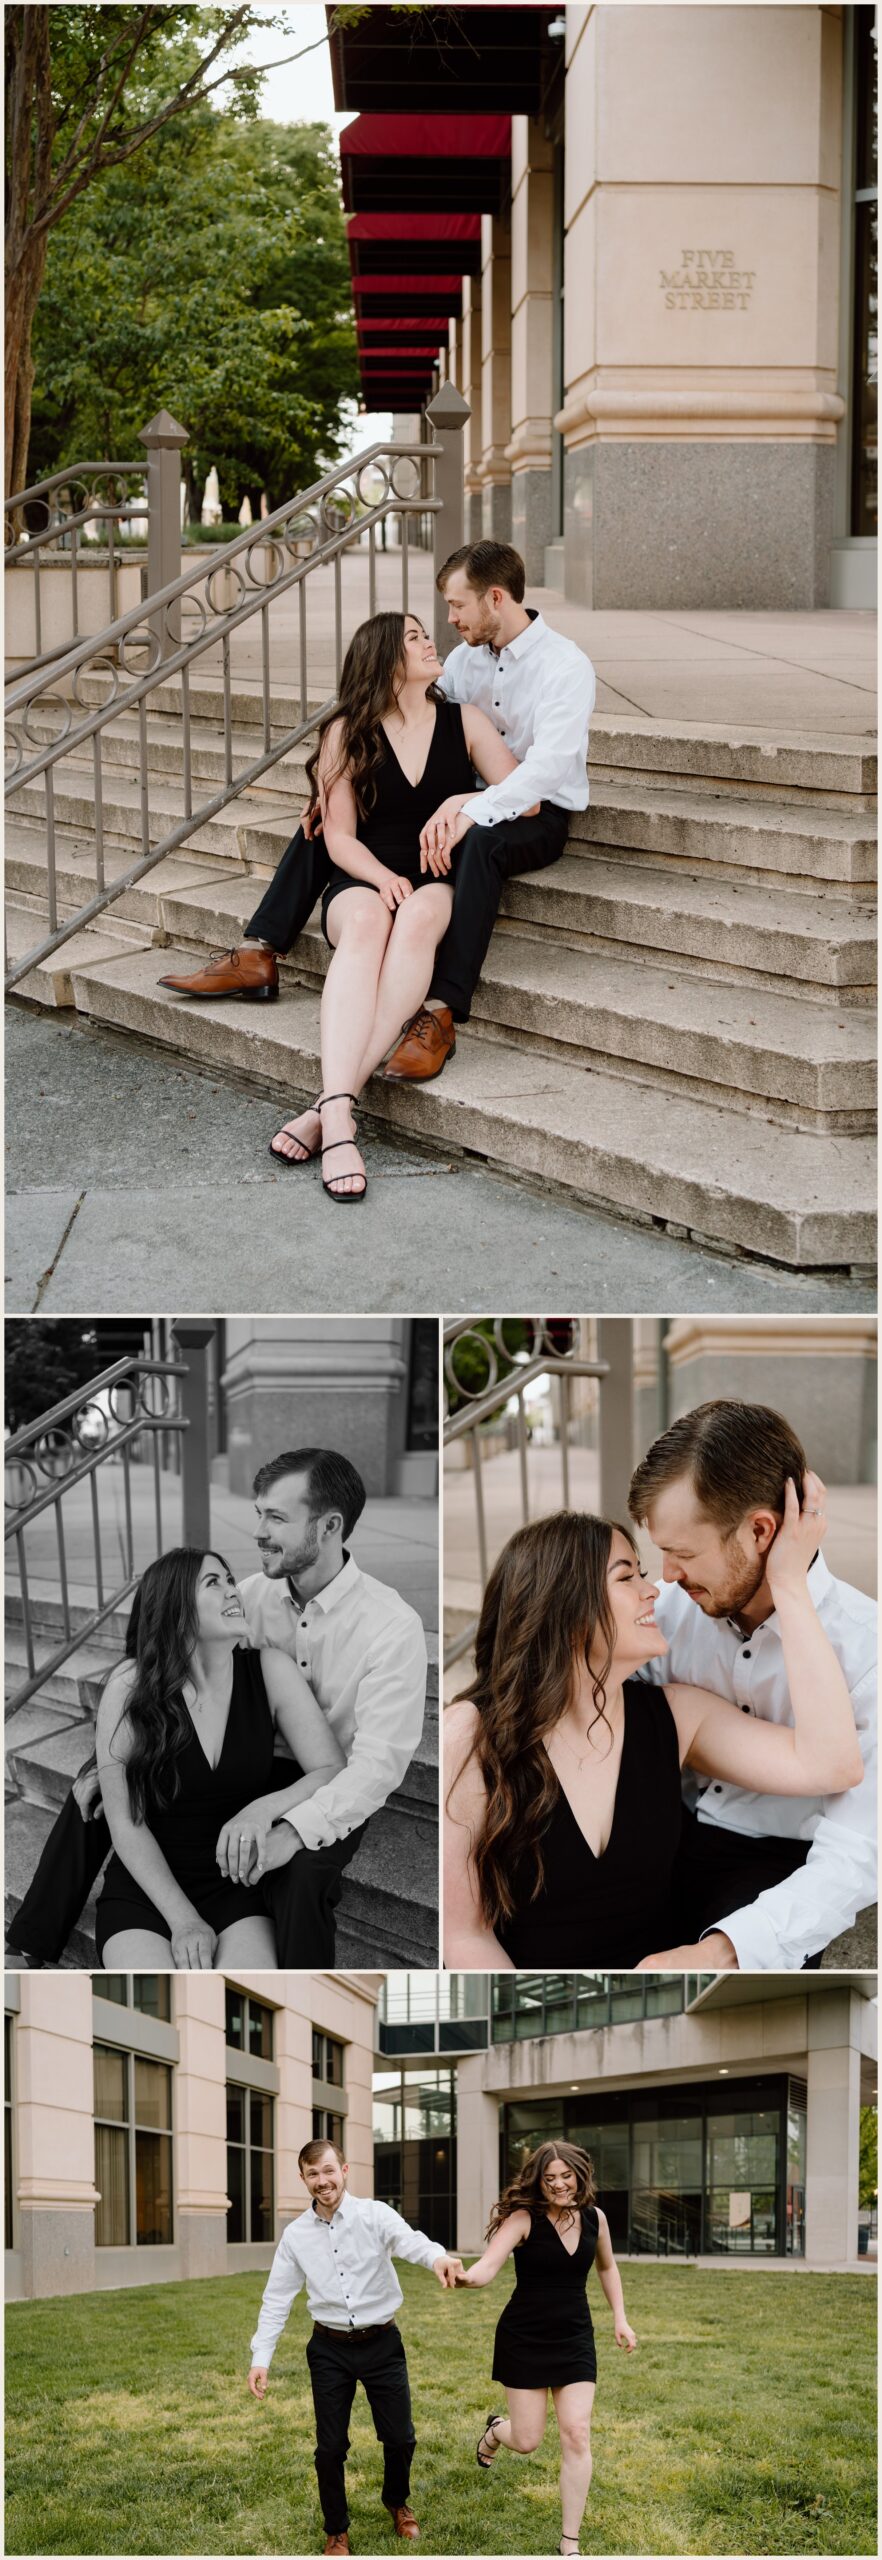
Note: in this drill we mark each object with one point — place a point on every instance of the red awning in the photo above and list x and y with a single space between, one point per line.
435 285
375 137
414 226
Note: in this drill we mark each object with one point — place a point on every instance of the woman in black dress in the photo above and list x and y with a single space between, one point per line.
563 1769
548 2219
185 1760
385 760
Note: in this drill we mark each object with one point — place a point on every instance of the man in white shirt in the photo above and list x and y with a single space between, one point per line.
538 689
342 2251
765 1882
363 1651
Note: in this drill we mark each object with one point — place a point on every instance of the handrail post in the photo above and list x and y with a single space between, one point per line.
447 414
193 1342
164 440
615 1345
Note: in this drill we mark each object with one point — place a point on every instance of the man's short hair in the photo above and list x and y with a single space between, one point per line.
487 564
738 1457
333 1483
313 2151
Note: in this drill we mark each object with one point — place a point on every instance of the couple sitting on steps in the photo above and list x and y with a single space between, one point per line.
393 809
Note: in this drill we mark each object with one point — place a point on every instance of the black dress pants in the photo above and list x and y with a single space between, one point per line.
718 1871
486 859
289 898
337 2364
301 1898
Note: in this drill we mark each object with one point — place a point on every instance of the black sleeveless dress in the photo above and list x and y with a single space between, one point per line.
545 2336
392 827
187 1830
617 1908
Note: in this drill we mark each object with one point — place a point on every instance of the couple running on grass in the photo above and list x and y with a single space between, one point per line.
394 810
547 2218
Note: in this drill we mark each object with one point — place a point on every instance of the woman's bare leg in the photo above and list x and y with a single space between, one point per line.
359 926
524 2427
137 1950
251 1942
417 928
573 2403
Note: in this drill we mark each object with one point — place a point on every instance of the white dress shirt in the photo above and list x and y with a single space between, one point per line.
793 1919
363 1651
539 693
346 2266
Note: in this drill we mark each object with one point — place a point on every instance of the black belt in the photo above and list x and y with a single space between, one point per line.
371 2331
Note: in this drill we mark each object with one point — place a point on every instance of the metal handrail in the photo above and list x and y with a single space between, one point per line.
153 626
493 1400
23 1449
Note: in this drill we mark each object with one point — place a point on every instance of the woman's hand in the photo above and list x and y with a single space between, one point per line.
466 2277
87 1792
241 1848
394 888
193 1945
625 2336
798 1539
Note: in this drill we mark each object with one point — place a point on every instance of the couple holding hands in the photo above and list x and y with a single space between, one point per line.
547 2219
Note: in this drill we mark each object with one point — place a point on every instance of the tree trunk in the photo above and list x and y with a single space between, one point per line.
30 127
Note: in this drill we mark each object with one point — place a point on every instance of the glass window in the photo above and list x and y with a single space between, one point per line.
529 2004
318 2056
111 2077
133 2150
250 2157
626 1997
249 2026
236 2021
7 2132
664 1994
112 1986
112 2214
592 2000
334 2053
503 2007
151 1994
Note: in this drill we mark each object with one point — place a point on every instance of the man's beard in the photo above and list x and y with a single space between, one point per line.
743 1587
294 1561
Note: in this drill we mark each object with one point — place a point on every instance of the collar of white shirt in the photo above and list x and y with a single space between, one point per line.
342 2212
349 1576
524 640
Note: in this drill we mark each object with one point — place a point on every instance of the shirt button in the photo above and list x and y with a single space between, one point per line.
718 1791
747 1653
745 1710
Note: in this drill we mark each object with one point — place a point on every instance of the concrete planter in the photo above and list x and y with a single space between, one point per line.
56 606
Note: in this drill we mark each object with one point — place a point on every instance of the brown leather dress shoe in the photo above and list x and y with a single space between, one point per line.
405 2524
247 972
337 2542
425 1045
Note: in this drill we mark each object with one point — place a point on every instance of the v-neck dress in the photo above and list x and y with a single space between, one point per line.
545 2336
187 1829
614 1909
401 809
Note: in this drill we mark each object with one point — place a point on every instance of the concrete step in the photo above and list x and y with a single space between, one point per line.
76 1685
47 1617
781 765
816 946
26 864
764 1049
389 1904
121 812
801 1198
121 750
43 1767
788 844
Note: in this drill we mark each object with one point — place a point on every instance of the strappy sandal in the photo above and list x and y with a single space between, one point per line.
568 2555
343 1198
485 2460
307 1154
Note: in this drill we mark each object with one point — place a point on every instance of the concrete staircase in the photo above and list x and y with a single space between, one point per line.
676 1021
388 1914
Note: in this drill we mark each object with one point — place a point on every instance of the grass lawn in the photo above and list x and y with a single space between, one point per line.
745 2423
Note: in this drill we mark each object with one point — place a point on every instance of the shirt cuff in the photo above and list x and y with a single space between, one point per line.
754 1940
476 811
313 1829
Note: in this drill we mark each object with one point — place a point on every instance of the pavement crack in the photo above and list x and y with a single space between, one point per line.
51 1267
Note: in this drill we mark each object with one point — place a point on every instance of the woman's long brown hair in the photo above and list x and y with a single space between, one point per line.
161 1638
524 2191
546 1609
372 677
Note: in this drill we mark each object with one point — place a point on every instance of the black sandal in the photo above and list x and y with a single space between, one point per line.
308 1152
485 2460
344 1198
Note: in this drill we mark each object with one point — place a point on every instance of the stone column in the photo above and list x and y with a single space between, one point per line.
54 2116
454 353
818 1370
470 386
495 378
200 2124
529 450
477 2154
301 1381
832 2129
700 415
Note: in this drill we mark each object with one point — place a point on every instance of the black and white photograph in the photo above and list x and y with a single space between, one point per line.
222 1582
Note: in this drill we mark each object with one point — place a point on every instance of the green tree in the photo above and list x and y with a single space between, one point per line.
868 2169
211 278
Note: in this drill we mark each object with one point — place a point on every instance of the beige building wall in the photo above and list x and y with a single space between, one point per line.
470 386
825 2036
495 467
56 2019
301 1381
529 449
820 1371
702 213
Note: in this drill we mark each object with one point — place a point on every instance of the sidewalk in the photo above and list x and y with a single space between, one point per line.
121 1163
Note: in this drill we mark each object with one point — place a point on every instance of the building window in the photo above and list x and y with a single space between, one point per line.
547 2004
9 2219
326 2127
250 2184
149 1993
866 278
328 2058
249 2026
415 2148
675 2175
133 2150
